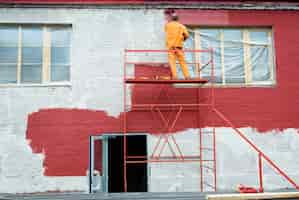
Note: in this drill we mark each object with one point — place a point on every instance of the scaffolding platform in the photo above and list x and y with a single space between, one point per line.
165 81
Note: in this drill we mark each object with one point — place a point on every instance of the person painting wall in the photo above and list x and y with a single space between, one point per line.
176 34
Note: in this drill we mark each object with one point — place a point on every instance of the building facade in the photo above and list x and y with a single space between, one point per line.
61 81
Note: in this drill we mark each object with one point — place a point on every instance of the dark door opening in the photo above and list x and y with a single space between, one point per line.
136 173
115 164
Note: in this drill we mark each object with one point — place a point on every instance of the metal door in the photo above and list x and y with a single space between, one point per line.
93 179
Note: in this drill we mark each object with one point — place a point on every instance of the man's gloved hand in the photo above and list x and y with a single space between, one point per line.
185 37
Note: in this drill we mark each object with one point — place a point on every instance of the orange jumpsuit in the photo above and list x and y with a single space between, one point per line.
176 34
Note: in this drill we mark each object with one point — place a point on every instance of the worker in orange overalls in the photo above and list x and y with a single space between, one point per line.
176 34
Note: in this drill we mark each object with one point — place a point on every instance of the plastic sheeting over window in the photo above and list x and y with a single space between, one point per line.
242 56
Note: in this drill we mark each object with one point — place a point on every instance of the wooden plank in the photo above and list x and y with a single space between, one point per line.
247 57
270 195
46 55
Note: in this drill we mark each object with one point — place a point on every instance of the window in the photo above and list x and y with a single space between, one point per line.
32 54
242 56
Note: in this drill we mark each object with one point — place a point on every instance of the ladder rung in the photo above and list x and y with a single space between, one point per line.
206 148
213 187
211 168
208 132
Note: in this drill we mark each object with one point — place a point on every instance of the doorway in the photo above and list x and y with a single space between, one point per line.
136 173
111 158
115 164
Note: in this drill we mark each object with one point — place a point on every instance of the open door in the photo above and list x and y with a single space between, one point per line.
98 156
106 161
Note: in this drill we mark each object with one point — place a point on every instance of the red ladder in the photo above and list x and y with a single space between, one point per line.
208 178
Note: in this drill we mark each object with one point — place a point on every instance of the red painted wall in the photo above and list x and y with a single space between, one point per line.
62 134
262 108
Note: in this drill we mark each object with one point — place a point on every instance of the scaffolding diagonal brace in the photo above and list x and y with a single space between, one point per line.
281 172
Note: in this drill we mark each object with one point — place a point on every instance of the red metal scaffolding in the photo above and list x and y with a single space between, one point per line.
157 109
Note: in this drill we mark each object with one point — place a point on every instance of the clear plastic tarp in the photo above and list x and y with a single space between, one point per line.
241 56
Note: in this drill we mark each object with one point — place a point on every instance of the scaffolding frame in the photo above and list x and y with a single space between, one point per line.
169 126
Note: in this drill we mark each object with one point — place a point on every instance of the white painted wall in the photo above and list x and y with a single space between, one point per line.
175 177
236 161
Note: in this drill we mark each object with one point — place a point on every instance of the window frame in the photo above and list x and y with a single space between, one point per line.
272 82
46 56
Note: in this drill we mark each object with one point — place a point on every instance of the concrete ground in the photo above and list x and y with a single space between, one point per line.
107 196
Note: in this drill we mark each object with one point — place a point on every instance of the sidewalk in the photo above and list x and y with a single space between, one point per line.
106 196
